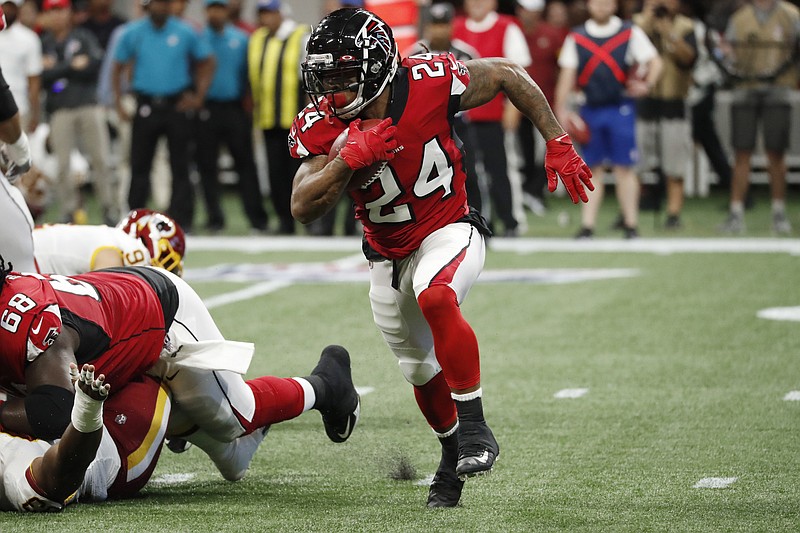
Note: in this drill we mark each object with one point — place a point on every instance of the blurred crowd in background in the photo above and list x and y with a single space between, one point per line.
167 102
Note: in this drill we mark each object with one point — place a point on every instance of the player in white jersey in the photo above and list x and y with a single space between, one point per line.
70 250
143 237
15 159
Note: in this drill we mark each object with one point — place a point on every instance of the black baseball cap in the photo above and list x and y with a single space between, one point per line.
441 13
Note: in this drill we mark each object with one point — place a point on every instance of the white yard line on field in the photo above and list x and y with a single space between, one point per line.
571 393
715 482
267 287
525 245
791 314
253 291
166 480
792 396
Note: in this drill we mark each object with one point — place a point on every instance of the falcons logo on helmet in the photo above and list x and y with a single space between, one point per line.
374 34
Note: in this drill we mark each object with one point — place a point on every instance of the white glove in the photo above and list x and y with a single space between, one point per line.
16 158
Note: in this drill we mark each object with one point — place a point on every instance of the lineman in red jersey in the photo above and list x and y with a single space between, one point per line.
132 320
425 245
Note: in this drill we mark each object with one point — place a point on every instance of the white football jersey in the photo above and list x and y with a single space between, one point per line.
17 492
68 250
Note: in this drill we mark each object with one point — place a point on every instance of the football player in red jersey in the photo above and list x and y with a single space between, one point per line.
425 245
131 320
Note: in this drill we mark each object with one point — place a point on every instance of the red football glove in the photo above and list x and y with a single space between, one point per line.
561 159
364 148
2 20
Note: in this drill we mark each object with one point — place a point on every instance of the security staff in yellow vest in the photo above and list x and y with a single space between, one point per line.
275 53
764 36
663 133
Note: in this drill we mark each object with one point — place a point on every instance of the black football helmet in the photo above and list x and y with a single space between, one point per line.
350 50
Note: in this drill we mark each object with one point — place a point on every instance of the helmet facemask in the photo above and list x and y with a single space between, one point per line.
345 61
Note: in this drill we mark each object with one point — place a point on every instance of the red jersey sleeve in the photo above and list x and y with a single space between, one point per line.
313 132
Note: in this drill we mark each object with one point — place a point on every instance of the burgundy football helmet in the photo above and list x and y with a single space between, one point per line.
161 235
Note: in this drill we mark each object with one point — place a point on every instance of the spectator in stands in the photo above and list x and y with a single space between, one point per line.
597 56
235 11
225 121
71 60
21 62
172 67
102 21
275 53
494 35
663 131
706 77
557 15
763 36
544 42
28 15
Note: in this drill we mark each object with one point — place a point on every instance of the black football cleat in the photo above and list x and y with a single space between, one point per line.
341 405
477 449
446 488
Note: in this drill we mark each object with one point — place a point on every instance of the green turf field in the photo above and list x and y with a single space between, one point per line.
684 383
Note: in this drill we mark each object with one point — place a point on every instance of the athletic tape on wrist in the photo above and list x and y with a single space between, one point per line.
87 413
19 151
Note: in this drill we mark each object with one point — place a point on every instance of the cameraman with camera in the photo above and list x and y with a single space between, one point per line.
663 132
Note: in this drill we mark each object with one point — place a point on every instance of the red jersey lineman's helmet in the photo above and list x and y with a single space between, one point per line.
162 236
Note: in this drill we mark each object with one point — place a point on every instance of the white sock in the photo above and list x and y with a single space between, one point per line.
467 397
737 208
309 397
778 206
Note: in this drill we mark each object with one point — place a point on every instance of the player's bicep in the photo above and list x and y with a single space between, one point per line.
485 82
48 367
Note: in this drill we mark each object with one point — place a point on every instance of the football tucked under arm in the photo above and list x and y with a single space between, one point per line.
363 176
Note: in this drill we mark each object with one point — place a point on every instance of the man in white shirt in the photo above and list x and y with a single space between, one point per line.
21 62
599 55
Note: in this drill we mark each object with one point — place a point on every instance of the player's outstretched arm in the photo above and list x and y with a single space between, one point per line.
490 76
60 472
45 412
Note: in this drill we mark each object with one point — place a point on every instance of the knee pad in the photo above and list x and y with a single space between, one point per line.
417 372
387 316
437 301
200 396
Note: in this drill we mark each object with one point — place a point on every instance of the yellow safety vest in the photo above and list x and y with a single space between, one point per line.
274 71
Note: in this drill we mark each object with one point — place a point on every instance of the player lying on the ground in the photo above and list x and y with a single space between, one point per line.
406 178
142 237
37 476
135 320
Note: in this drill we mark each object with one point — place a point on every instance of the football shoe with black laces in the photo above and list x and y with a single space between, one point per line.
340 405
477 449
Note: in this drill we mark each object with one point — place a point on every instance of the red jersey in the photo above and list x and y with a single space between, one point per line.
544 43
488 44
118 315
422 189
